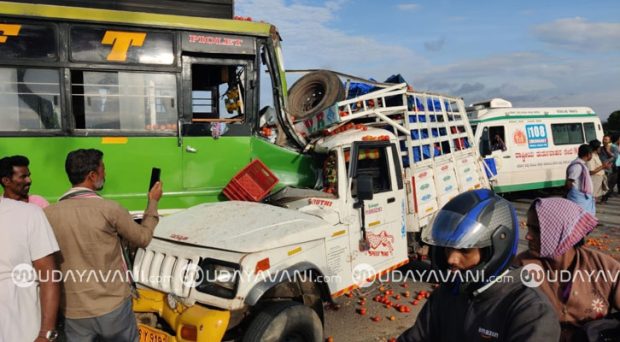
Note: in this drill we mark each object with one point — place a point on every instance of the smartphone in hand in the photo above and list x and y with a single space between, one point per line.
155 174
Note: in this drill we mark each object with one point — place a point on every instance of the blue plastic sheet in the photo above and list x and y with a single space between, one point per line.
433 105
426 151
416 154
491 165
358 89
414 104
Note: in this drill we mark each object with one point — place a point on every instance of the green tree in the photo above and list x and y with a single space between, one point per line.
613 122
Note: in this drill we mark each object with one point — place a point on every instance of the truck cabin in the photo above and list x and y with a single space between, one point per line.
372 162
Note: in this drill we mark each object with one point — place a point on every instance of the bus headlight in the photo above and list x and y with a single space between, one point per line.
220 278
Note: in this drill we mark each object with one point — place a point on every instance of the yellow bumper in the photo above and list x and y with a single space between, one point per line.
210 324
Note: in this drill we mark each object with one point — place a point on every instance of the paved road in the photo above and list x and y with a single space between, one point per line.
346 324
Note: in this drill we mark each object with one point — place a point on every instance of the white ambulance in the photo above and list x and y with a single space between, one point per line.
530 148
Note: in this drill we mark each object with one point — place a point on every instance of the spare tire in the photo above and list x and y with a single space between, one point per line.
313 93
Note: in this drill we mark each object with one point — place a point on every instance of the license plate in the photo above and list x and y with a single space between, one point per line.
148 334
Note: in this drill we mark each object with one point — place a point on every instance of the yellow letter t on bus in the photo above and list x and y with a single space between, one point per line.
8 30
121 41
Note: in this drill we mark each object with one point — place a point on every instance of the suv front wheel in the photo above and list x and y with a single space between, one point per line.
287 321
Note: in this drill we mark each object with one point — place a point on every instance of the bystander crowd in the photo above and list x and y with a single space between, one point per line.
609 154
477 231
556 231
89 228
16 181
597 171
29 296
578 185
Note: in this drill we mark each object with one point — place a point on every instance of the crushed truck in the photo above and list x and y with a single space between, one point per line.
258 270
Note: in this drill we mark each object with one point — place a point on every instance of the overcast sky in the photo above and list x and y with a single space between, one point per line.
530 52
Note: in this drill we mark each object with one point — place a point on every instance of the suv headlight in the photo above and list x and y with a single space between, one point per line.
220 278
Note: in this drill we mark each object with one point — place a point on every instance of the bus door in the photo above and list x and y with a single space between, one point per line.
216 130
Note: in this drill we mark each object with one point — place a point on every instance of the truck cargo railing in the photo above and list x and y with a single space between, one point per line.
436 147
435 139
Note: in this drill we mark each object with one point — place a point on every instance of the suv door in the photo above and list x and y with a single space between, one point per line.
384 215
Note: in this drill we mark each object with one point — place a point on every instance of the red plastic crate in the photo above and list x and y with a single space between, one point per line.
233 194
252 183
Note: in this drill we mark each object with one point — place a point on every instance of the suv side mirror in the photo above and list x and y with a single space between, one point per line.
364 187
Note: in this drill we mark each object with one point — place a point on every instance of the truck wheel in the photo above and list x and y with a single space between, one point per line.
313 93
285 321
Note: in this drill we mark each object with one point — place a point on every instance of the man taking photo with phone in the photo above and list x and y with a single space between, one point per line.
88 228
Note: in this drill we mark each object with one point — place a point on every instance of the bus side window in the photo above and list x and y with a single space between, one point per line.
30 99
218 93
124 101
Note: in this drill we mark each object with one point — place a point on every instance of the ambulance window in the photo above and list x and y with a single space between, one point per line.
497 138
567 134
590 131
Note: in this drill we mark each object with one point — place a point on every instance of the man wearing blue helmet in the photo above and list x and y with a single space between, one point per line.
474 237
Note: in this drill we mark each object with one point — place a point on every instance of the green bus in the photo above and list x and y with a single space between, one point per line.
178 91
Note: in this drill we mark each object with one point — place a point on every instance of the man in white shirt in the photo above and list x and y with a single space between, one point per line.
29 293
